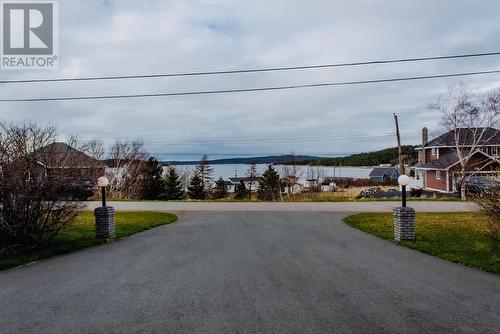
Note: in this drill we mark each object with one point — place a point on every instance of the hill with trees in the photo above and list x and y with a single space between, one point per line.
385 156
274 159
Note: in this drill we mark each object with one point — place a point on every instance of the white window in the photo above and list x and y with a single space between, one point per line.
495 151
434 152
438 175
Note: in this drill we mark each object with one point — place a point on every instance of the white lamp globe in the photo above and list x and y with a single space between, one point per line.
403 180
102 181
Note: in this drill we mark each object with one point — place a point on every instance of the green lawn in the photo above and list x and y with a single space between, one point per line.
457 237
81 234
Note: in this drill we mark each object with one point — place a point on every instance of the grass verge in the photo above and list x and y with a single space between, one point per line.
457 237
81 235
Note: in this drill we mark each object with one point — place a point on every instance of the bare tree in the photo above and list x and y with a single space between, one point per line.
126 162
34 168
95 149
252 177
185 174
291 172
473 124
316 174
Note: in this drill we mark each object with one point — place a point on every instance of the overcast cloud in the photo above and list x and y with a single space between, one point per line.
146 37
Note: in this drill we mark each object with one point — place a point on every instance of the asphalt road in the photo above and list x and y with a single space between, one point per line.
382 206
249 272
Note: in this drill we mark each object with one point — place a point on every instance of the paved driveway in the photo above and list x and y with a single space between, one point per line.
249 272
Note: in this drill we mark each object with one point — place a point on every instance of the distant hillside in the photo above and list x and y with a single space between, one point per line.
274 159
385 156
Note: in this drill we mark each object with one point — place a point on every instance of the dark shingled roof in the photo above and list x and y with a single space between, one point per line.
490 136
381 171
443 162
447 161
62 155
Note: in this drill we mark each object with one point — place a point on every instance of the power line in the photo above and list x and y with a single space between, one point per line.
245 90
260 141
195 141
255 70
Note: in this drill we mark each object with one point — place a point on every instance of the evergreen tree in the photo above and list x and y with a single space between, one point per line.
240 190
269 185
152 185
174 189
205 171
220 190
196 190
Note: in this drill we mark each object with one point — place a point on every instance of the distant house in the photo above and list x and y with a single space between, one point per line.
249 182
291 185
312 185
328 184
438 163
230 187
384 174
61 158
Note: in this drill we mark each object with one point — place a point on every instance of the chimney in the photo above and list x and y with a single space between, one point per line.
425 136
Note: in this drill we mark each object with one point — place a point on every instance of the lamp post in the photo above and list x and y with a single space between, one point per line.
403 181
102 183
105 215
404 218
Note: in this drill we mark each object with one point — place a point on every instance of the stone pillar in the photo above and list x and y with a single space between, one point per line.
404 223
105 222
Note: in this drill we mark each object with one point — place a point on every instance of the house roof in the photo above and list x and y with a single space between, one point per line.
488 136
244 179
443 162
381 171
447 161
226 183
57 155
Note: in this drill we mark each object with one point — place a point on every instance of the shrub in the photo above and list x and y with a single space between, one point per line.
241 191
32 211
220 191
487 197
416 193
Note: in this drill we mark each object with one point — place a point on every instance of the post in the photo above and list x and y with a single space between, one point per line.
403 195
104 215
105 222
404 217
404 223
103 196
400 152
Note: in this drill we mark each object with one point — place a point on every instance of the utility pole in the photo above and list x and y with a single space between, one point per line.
401 166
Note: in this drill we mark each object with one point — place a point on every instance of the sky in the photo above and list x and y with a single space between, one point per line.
125 37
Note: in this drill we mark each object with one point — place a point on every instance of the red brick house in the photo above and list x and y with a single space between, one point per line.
438 163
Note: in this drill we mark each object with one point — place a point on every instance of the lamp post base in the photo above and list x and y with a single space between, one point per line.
105 222
404 223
